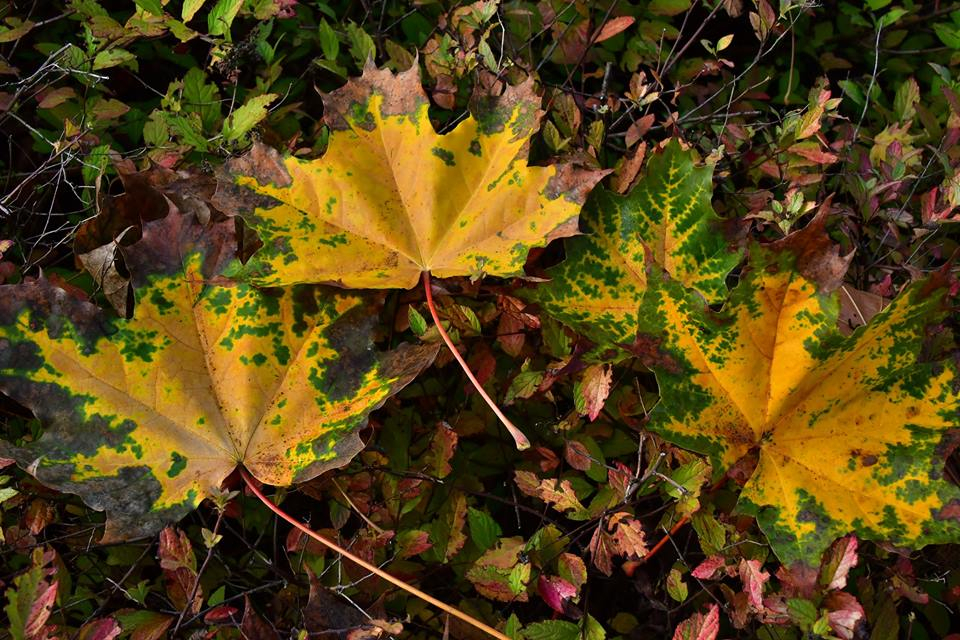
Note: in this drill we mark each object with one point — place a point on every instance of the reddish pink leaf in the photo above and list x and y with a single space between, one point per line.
102 629
179 569
837 562
555 592
221 614
753 577
591 391
700 626
572 569
845 614
709 567
36 625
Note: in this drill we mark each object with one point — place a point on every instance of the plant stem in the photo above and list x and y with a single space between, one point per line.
518 437
251 483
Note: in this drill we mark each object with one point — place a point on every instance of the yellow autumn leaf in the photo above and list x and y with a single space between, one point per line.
391 198
849 433
146 417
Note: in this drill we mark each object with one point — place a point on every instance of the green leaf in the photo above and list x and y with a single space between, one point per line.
418 324
484 530
201 97
362 47
598 288
150 6
243 120
112 58
668 7
552 630
190 8
329 42
221 17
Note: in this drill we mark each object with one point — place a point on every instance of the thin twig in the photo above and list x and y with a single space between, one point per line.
251 483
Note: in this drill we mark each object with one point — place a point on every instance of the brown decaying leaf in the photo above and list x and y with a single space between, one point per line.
329 615
253 626
857 308
818 258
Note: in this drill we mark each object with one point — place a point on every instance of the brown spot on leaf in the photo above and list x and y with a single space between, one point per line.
402 94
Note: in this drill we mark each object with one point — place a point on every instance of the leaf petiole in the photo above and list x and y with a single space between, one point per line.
518 437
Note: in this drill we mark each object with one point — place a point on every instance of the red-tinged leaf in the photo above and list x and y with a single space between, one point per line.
30 599
753 578
559 494
628 537
556 592
179 566
102 629
798 581
846 614
40 513
254 626
601 551
577 456
592 389
221 614
812 151
442 448
510 333
448 534
499 573
837 562
612 27
700 626
412 542
572 569
619 478
707 569
144 625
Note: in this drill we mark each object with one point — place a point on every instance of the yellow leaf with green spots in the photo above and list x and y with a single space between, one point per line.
391 198
144 418
849 434
668 217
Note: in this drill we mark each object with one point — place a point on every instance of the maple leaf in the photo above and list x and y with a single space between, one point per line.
391 198
598 288
849 431
146 417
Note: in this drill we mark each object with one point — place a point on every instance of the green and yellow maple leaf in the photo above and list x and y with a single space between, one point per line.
598 288
391 198
146 417
850 434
